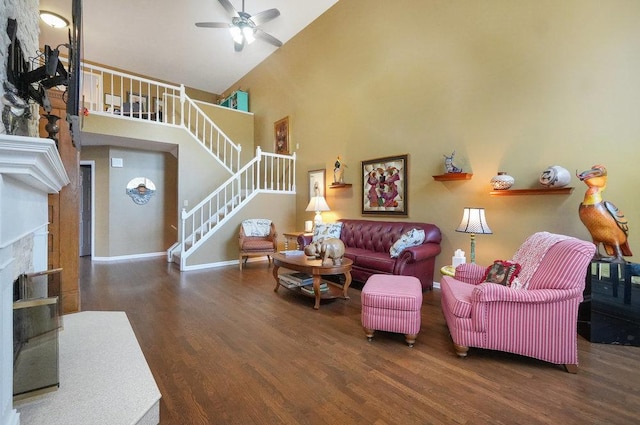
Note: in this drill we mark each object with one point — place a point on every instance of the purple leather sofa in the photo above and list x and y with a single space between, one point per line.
367 244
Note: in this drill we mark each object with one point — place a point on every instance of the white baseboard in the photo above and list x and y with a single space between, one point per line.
129 257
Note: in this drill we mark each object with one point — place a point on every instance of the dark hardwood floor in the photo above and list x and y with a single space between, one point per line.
225 349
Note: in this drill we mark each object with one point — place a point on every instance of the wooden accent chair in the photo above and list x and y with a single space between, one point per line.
536 316
257 238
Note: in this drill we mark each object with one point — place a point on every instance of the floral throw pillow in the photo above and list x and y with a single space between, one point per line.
502 272
326 230
413 237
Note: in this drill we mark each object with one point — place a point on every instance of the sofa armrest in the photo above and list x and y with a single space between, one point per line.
470 273
419 253
493 292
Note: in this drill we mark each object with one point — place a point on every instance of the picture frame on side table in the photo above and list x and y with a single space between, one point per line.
384 186
281 132
316 180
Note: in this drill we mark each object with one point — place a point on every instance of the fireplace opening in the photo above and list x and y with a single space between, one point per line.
36 321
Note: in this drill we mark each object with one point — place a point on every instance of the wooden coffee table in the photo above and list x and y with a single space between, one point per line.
315 268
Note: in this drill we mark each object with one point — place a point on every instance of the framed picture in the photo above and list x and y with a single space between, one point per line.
281 130
141 101
316 183
112 102
384 186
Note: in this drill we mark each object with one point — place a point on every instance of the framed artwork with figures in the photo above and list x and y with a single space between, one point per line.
384 186
281 130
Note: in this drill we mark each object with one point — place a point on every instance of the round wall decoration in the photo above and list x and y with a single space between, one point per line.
141 189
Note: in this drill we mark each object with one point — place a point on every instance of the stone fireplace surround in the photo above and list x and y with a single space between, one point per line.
30 169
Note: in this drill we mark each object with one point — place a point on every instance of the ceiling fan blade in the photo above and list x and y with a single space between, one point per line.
229 8
213 25
267 37
266 16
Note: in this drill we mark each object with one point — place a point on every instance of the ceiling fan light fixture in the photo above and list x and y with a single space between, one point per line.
248 33
53 19
236 33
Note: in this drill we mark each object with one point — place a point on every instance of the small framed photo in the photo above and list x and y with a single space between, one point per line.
384 186
316 183
281 130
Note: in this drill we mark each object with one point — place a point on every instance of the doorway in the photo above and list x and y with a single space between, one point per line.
86 208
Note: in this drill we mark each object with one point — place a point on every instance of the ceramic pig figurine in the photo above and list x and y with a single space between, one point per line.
332 248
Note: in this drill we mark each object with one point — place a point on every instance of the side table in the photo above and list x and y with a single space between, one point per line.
448 271
293 237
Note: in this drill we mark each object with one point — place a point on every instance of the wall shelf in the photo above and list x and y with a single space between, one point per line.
339 185
453 176
516 192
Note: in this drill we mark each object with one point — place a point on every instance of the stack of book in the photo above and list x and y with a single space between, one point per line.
324 287
291 280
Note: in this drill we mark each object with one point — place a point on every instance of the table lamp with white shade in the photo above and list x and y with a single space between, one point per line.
474 222
318 204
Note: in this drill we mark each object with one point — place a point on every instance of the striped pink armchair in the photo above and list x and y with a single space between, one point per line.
536 316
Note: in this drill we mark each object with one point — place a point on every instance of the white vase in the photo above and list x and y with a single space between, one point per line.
555 176
502 181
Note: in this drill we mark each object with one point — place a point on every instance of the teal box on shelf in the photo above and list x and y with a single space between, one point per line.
237 100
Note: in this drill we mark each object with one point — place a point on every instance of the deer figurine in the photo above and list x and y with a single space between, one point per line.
448 164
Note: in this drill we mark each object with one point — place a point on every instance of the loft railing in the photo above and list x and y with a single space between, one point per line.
266 173
125 96
114 93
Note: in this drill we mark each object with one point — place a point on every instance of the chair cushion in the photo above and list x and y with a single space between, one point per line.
413 237
326 230
251 244
457 296
502 272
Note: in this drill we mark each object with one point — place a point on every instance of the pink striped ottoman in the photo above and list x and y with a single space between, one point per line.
392 303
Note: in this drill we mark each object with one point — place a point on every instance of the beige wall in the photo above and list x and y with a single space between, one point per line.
509 85
191 177
122 226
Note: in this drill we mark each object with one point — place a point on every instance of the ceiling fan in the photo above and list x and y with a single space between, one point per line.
244 27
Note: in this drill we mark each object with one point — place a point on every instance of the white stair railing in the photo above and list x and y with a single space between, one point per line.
266 173
126 96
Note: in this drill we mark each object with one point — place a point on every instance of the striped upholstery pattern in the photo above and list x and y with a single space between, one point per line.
538 322
392 303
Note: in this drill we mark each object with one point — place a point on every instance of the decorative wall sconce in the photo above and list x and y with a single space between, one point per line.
141 189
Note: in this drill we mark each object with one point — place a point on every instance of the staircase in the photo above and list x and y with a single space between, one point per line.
164 104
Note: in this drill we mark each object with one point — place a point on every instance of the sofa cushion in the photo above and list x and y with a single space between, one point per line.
326 231
375 261
411 238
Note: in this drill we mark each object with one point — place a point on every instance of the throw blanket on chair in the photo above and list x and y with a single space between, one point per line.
256 227
530 254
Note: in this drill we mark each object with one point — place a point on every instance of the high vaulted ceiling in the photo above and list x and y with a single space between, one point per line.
158 38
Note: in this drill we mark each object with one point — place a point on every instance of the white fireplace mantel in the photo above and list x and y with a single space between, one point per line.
30 169
34 161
